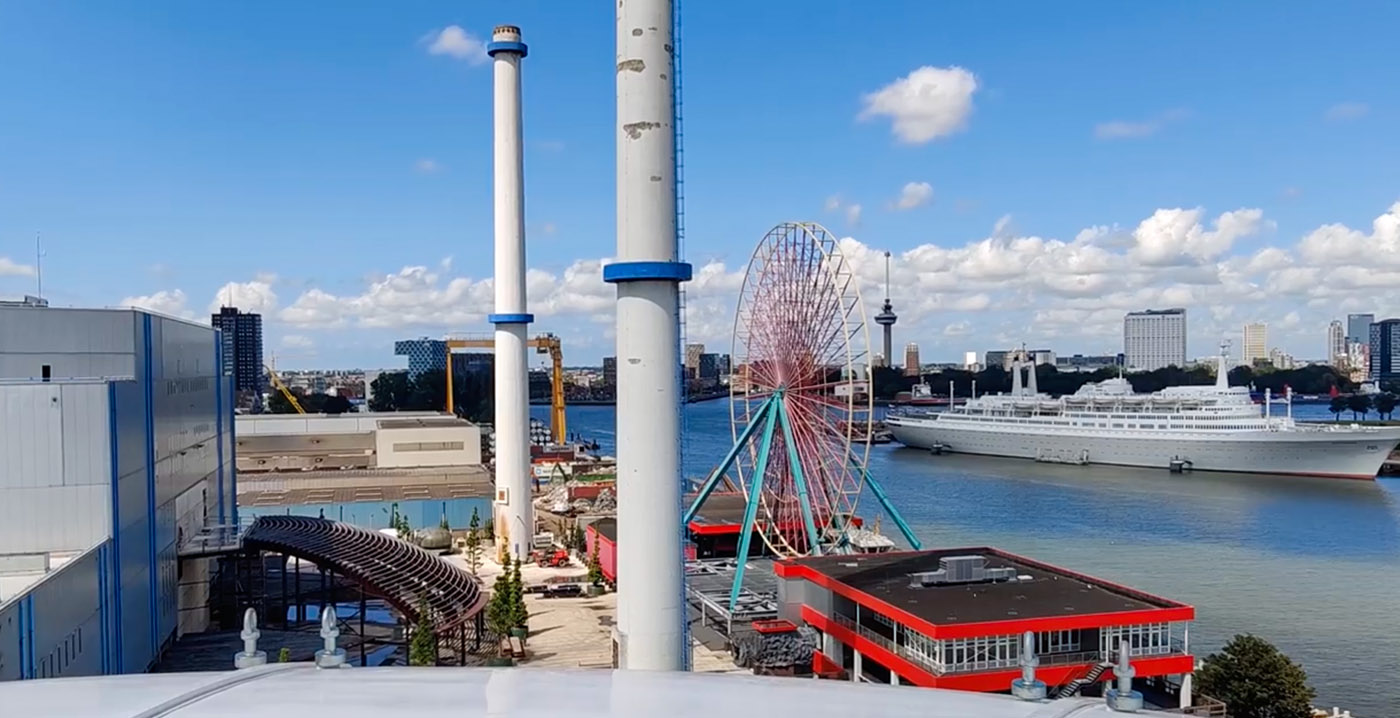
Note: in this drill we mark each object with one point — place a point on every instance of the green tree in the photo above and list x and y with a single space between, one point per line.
422 646
595 565
443 524
498 609
1385 404
284 655
473 548
520 615
390 392
1337 406
1256 680
1359 404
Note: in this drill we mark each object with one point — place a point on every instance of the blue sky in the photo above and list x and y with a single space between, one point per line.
337 173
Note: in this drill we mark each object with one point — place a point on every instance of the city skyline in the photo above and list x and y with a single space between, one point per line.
351 234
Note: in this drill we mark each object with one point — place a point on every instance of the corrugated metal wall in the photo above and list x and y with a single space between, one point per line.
75 343
61 627
54 467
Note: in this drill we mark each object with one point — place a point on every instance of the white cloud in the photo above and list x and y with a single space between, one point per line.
958 329
298 341
853 215
427 166
832 203
1347 111
169 302
1176 237
10 268
256 296
926 104
1120 129
914 194
456 43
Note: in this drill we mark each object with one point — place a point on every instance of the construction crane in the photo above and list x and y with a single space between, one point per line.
277 382
543 344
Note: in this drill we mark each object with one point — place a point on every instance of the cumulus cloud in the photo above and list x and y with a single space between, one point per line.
1337 244
926 104
1347 111
853 215
170 302
456 43
1177 237
914 194
11 268
256 296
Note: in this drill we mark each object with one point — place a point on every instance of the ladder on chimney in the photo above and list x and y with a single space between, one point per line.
1072 688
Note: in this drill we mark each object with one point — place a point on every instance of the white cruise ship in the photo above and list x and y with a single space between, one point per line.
1214 428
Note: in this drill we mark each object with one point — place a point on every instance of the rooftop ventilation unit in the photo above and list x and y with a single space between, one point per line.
961 569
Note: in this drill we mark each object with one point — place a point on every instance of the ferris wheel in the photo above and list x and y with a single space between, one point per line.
800 400
800 342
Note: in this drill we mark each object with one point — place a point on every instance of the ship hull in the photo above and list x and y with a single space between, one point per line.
1338 454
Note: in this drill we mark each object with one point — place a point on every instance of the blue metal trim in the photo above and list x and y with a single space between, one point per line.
647 272
102 608
494 47
795 466
116 663
150 444
510 318
760 467
219 415
232 465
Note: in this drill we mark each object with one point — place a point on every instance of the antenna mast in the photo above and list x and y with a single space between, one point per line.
887 277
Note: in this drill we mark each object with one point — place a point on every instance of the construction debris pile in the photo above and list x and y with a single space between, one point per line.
557 501
787 653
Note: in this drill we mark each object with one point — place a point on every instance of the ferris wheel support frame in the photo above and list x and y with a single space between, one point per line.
770 414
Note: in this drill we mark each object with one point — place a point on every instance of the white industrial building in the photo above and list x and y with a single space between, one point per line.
407 439
116 446
1155 338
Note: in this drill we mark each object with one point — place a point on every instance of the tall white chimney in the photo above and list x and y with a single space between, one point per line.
514 515
651 607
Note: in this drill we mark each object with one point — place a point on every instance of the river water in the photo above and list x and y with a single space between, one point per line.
1312 565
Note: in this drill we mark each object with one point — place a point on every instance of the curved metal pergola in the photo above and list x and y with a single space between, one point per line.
402 574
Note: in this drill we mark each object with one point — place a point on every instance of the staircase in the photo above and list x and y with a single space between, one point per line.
1073 686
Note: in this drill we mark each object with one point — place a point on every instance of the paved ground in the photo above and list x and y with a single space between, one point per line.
577 632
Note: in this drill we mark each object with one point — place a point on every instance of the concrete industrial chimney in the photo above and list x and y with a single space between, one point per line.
514 512
650 610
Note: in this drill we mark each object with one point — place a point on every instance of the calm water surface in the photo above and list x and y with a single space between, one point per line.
1310 564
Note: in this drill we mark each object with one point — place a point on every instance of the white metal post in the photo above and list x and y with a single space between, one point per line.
650 630
515 514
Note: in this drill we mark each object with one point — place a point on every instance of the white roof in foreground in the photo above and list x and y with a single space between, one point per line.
300 690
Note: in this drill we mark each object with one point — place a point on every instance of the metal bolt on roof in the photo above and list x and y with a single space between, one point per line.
1124 699
250 656
330 656
1027 688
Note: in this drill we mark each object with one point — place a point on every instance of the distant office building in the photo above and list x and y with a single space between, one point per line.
1337 344
95 579
1081 362
877 361
610 371
709 366
722 364
1155 338
911 359
692 359
242 347
996 358
473 363
970 361
1256 343
1281 359
1359 328
424 355
1385 350
1005 359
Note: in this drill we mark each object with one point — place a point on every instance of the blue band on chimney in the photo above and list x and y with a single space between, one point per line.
510 318
494 47
646 272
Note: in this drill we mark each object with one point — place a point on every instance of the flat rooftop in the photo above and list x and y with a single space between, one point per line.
425 422
607 528
1050 592
301 488
723 510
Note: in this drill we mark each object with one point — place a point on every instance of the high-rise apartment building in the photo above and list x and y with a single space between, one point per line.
1359 328
1336 344
242 347
1256 343
911 359
709 366
1385 351
610 371
1155 338
692 360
